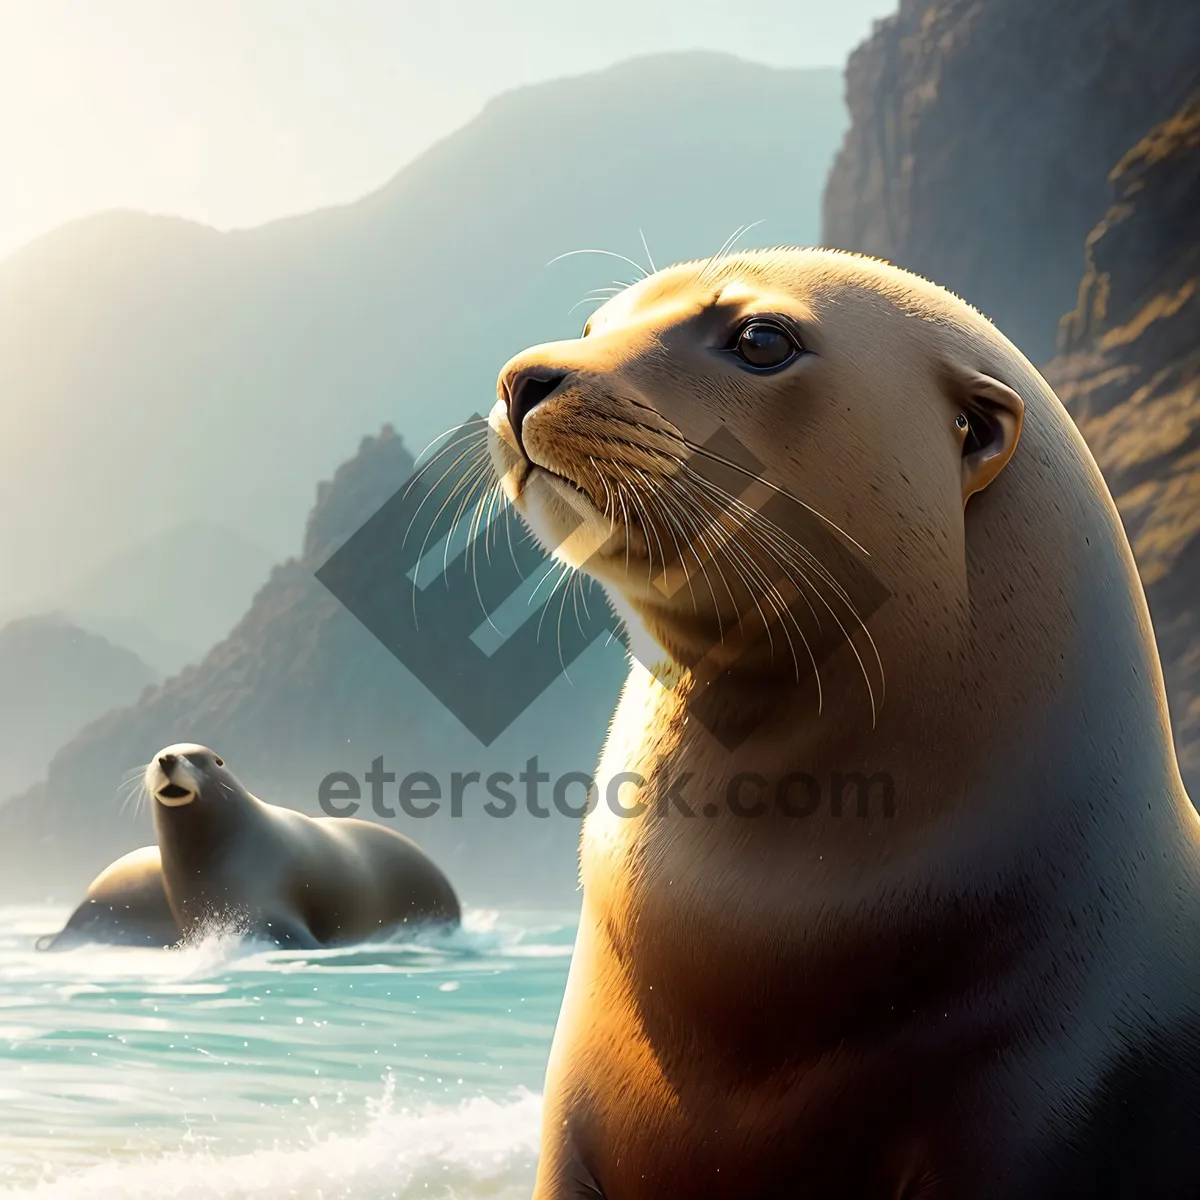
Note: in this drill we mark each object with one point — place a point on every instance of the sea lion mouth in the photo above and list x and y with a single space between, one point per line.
558 479
172 794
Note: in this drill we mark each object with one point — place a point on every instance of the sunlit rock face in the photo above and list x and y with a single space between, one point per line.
1129 370
1009 148
981 134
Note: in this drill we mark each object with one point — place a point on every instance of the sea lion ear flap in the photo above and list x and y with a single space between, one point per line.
988 425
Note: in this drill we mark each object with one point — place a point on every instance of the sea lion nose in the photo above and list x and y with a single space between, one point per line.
167 761
525 389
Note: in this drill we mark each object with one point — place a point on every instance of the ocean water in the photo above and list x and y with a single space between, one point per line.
227 1069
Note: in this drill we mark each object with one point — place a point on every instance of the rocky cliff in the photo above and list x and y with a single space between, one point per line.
1129 371
981 133
55 678
988 137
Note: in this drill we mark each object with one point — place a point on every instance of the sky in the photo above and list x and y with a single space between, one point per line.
234 112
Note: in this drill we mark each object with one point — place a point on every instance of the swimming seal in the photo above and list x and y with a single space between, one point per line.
989 985
227 860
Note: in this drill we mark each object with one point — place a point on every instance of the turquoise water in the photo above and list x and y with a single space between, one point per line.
229 1070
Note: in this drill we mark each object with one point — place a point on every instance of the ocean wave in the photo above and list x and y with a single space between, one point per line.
223 949
475 1149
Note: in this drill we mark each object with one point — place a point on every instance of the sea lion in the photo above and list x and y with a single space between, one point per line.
987 988
226 859
125 905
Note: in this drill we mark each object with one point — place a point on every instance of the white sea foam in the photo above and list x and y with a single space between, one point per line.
476 1149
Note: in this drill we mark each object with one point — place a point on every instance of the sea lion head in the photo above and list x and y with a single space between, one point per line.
722 427
814 473
181 774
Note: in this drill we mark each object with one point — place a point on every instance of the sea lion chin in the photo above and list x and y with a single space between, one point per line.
854 535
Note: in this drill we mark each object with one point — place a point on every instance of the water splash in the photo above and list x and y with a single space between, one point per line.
230 1068
478 1148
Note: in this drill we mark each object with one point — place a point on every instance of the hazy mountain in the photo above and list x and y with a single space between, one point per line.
982 131
299 690
172 597
54 679
155 372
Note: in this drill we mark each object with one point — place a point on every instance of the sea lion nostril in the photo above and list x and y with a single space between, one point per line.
526 390
167 761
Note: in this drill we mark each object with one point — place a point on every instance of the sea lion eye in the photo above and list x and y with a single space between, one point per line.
765 345
586 329
219 761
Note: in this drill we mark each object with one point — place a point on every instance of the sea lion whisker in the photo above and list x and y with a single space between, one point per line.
469 473
706 522
488 496
562 604
473 475
597 300
765 531
480 473
480 452
468 430
761 528
779 545
552 565
610 253
126 800
692 448
500 506
740 572
703 452
127 784
465 453
714 259
753 519
730 544
526 533
709 272
845 634
485 510
601 295
565 569
840 594
625 520
701 525
675 502
657 499
583 596
609 506
752 573
782 564
646 247
739 569
647 526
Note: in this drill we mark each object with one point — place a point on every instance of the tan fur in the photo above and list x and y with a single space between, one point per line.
683 1060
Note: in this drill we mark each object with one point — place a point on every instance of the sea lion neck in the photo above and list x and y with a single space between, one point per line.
201 832
1062 660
